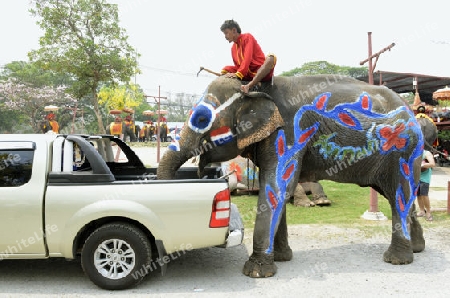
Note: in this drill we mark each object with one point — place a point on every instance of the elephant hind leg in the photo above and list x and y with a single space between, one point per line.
400 252
417 240
300 197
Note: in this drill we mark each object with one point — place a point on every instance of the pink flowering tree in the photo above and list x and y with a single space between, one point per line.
30 100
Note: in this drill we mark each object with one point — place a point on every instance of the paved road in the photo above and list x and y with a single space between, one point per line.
328 261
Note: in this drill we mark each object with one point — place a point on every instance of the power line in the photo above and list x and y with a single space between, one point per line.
175 72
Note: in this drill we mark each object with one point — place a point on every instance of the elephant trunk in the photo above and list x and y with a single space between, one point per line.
170 163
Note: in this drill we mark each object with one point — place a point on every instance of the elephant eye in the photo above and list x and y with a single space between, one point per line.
202 118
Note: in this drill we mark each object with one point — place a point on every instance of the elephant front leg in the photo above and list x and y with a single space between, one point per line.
270 240
261 262
282 251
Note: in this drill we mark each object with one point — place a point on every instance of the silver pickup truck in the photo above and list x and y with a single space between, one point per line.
65 196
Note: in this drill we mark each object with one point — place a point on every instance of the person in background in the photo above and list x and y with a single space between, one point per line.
250 63
424 185
53 123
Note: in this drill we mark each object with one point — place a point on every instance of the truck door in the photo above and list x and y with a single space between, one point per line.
23 170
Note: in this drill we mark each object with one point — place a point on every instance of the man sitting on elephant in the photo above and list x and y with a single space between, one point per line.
250 63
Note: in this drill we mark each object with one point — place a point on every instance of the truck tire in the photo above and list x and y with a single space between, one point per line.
116 256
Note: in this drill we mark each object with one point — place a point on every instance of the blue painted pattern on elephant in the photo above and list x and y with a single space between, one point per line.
387 138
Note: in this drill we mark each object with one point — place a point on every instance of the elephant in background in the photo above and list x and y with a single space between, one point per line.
315 189
308 128
119 129
429 129
163 132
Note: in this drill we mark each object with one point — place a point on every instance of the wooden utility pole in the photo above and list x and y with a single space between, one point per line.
158 112
373 205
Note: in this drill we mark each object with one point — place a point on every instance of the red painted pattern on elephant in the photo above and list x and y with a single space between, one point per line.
405 167
306 135
365 102
393 138
273 200
400 203
346 119
320 105
280 146
288 172
221 135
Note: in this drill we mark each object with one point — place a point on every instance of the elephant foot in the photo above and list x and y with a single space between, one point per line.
283 256
303 202
263 266
418 246
398 258
322 202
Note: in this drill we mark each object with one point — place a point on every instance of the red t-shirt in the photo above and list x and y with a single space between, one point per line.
247 57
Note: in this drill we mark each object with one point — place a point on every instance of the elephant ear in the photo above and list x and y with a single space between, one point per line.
257 118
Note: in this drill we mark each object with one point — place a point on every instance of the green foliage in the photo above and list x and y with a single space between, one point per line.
120 97
26 89
83 39
324 67
444 134
408 97
32 74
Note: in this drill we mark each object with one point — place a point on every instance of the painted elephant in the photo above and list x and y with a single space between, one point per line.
119 128
309 128
315 189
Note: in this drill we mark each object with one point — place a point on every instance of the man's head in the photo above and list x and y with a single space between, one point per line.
50 116
231 30
421 109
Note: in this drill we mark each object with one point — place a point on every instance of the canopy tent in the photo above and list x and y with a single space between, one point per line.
404 83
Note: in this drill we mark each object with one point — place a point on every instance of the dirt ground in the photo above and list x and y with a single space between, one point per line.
329 261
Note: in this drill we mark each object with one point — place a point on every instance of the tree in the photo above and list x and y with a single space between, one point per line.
31 73
324 67
24 97
179 107
82 38
120 97
26 89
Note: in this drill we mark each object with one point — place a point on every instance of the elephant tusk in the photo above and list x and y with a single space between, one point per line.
258 94
226 175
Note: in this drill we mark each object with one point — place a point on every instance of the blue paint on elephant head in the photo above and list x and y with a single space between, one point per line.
390 137
202 117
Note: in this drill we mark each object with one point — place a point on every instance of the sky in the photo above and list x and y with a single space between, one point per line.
175 38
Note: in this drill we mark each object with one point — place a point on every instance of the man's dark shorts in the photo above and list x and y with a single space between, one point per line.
423 189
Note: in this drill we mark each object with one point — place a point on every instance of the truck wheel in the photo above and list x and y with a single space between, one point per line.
116 256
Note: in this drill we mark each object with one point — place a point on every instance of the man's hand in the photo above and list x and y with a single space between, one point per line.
230 75
245 88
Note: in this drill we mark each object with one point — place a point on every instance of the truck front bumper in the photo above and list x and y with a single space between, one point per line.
236 234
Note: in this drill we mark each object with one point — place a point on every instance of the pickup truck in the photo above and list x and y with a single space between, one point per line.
65 196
